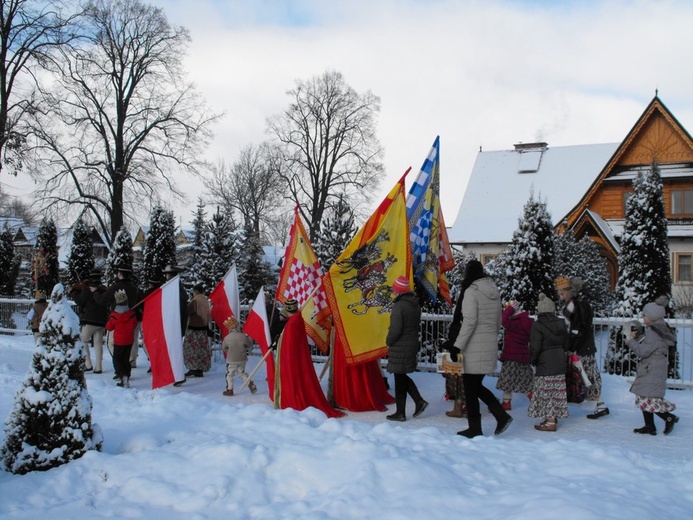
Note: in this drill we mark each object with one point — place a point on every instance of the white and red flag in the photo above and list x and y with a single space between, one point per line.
257 327
300 279
226 300
161 328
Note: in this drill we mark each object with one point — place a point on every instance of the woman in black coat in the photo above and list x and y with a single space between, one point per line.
547 352
403 345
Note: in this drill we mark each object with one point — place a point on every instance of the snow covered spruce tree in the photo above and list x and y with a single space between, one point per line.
336 231
643 263
160 247
581 258
50 423
525 267
191 276
45 258
253 271
220 250
120 255
81 259
9 263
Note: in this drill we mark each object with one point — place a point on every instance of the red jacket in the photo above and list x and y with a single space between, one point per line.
518 328
123 326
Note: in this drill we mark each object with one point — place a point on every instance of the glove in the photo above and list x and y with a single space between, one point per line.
454 351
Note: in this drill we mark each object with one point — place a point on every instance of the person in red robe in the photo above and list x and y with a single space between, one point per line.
296 383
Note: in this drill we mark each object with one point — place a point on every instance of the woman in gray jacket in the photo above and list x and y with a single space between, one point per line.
650 381
478 343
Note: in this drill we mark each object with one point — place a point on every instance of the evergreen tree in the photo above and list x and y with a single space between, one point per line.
9 263
220 250
525 267
50 423
160 247
81 260
200 235
581 258
253 271
336 231
644 270
120 255
45 260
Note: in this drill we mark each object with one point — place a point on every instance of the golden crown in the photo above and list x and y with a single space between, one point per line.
563 283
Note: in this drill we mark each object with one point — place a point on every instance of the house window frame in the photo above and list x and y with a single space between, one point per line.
683 211
677 264
487 257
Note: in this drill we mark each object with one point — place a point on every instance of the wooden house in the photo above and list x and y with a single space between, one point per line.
585 188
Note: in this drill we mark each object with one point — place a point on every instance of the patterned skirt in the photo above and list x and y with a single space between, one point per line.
654 404
515 377
589 363
548 397
454 387
196 351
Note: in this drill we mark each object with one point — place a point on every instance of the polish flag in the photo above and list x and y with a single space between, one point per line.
161 333
257 327
226 301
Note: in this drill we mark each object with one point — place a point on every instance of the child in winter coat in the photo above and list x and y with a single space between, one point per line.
548 346
236 345
122 321
516 373
652 348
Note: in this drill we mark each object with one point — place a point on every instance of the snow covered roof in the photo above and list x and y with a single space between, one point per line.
610 229
501 182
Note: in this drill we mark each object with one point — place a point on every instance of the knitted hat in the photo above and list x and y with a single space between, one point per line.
576 283
121 297
401 285
40 296
231 323
545 305
656 310
290 307
563 283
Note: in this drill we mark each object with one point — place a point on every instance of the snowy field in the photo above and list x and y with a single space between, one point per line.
191 453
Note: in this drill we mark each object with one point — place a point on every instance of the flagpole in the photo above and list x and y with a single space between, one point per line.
330 380
257 367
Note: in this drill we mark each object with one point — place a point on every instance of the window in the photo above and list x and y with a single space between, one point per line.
682 202
626 196
485 259
684 262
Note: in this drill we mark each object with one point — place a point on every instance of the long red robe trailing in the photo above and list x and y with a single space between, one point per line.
297 385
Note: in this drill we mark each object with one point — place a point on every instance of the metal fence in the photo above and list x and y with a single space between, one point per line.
434 331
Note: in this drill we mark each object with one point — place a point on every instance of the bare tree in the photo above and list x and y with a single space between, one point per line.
251 188
29 31
13 207
121 119
327 136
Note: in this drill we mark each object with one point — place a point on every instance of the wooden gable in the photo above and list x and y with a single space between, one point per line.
657 135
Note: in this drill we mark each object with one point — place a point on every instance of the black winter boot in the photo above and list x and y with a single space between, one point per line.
474 429
649 428
503 418
399 415
670 421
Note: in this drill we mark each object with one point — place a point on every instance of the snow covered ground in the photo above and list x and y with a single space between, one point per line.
190 452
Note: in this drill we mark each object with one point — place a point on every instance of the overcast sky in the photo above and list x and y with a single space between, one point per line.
485 74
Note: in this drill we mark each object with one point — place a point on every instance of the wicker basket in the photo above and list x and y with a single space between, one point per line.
447 365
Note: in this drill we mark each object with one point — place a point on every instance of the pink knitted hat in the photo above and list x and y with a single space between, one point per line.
401 285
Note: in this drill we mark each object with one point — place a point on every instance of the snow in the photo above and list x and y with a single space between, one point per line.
497 191
190 452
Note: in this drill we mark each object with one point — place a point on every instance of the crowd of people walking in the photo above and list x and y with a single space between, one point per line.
538 355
